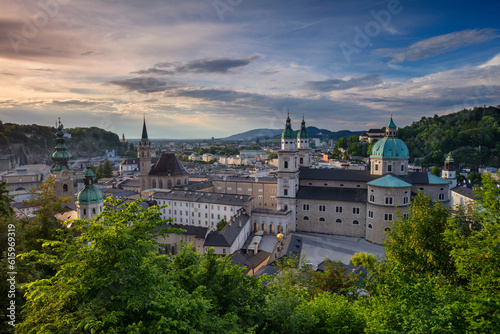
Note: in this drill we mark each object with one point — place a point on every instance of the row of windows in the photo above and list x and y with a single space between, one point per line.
388 200
389 168
387 216
322 208
341 185
322 219
370 226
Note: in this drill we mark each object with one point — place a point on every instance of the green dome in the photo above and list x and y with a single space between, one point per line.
89 194
303 132
288 132
390 148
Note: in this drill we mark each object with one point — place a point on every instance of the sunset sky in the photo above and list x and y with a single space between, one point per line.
203 68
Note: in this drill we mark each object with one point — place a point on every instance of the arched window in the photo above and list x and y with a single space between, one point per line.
305 218
271 228
322 219
301 160
285 164
387 229
255 226
154 183
338 221
388 200
93 211
178 182
264 227
372 198
65 187
160 184
370 226
84 212
169 184
355 222
280 229
185 181
441 197
389 168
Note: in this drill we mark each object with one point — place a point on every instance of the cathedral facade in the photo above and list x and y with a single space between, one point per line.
349 202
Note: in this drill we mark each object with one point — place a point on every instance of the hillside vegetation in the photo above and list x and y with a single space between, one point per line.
472 135
37 142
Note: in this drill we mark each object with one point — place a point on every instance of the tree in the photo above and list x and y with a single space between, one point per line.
221 225
417 244
436 171
99 174
5 199
107 169
367 260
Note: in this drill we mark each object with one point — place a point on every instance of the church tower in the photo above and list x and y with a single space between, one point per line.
89 201
144 155
448 173
303 146
62 171
390 154
288 173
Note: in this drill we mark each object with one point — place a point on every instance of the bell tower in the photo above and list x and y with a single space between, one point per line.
303 146
144 155
288 173
62 171
448 173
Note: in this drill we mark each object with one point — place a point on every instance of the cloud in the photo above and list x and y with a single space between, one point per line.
91 53
146 85
212 65
339 84
439 44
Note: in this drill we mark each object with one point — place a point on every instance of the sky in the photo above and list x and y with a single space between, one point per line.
213 68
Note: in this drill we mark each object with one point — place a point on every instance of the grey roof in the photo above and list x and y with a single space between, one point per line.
228 235
419 178
290 245
203 197
336 174
332 194
247 179
117 192
168 164
249 260
130 183
196 186
467 192
197 231
130 161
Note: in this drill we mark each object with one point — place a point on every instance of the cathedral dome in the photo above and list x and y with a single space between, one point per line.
89 194
390 148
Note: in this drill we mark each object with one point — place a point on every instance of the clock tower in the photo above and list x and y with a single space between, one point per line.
62 171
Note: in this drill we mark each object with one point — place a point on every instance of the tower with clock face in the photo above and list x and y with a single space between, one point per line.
62 171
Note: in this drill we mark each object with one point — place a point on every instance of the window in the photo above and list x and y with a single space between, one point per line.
389 168
225 208
370 226
326 184
301 160
322 208
260 190
286 164
388 216
84 212
65 187
249 189
355 211
372 198
370 214
387 229
376 167
305 207
341 184
321 219
229 188
261 197
405 200
285 192
305 218
223 251
355 222
388 200
338 209
402 168
441 197
239 189
339 221
405 215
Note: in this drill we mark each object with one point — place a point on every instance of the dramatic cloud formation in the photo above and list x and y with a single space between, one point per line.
439 44
218 65
146 85
339 84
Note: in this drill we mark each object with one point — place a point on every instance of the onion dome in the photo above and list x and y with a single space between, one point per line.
61 156
288 132
89 194
303 132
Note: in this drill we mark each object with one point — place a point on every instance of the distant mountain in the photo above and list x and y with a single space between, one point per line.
276 133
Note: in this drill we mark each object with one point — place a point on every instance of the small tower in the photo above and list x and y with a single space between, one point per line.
448 173
89 201
288 173
144 155
303 146
62 170
391 130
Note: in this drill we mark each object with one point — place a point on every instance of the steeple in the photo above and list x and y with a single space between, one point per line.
89 201
144 131
288 132
391 129
61 155
303 132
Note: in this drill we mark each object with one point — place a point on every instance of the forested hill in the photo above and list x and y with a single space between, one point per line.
34 143
472 135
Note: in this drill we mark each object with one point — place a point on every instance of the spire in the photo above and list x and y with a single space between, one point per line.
144 130
61 155
303 132
391 123
288 132
391 129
